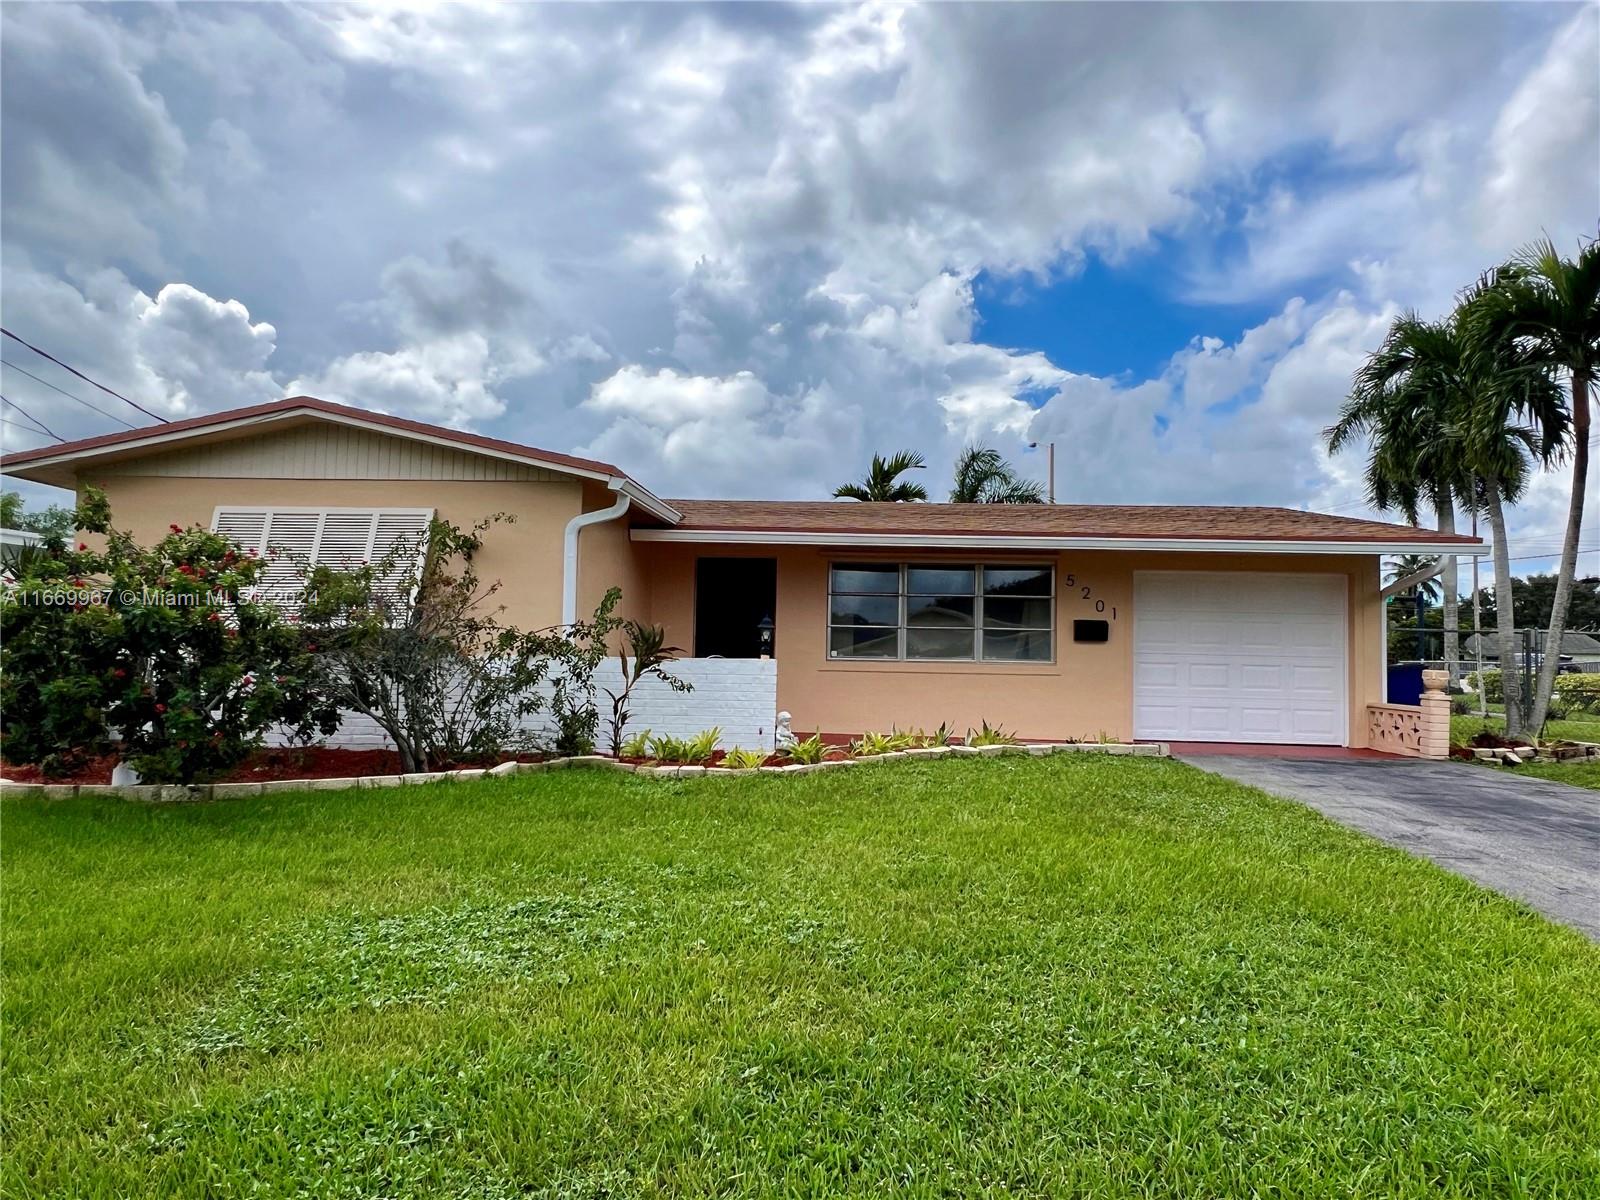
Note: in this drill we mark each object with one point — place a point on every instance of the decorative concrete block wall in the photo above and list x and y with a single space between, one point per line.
1419 730
1395 728
738 695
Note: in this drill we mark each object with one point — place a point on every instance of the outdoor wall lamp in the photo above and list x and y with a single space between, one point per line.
765 627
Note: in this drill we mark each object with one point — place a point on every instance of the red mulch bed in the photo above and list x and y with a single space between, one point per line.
314 762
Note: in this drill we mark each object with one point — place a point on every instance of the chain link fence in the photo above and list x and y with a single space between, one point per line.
1472 660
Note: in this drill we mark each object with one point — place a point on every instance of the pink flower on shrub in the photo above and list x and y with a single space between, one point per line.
161 708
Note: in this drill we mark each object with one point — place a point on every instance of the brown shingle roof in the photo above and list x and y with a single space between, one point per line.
1156 521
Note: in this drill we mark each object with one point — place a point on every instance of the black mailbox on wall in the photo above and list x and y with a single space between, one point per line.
1091 631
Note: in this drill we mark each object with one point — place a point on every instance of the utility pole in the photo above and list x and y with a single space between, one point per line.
1052 469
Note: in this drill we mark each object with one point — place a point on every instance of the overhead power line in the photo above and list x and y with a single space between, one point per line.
43 428
93 408
82 376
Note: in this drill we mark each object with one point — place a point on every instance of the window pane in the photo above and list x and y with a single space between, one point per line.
863 642
1017 614
934 581
939 611
864 610
1005 646
1016 581
866 577
938 643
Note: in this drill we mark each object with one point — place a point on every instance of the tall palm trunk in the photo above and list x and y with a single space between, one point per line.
1569 552
1504 618
1452 593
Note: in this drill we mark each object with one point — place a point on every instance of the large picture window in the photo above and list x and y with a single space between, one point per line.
957 612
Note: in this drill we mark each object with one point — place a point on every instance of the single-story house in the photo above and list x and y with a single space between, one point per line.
1159 622
1577 649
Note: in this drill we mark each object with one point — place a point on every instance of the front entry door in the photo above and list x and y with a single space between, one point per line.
732 596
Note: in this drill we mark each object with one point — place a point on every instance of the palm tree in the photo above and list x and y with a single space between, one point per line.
983 477
1546 309
883 481
1446 415
1405 565
1423 591
1402 399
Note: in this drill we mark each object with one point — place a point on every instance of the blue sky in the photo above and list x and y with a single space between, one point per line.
738 250
1123 320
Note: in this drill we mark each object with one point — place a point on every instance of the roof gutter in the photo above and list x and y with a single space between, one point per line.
569 553
1051 542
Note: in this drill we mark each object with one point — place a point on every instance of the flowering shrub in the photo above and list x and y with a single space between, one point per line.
153 648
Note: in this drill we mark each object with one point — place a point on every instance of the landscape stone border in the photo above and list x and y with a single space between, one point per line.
1515 756
177 793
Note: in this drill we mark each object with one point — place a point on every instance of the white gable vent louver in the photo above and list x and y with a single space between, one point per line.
336 537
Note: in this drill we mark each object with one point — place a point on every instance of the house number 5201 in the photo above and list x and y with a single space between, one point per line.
1086 593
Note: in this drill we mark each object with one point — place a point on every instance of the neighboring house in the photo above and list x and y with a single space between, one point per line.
1150 622
1579 651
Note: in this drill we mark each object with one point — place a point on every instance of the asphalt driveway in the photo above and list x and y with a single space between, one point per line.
1530 838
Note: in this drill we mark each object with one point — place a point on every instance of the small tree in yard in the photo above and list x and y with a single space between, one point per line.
412 642
645 654
573 706
158 652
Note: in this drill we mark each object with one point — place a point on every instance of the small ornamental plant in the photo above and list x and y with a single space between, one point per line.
156 652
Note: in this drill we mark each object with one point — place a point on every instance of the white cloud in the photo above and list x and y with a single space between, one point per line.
733 248
178 353
1544 151
449 381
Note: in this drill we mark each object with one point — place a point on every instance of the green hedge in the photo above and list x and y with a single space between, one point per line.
1491 686
1579 692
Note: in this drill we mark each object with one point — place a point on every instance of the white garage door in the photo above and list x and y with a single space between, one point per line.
1239 657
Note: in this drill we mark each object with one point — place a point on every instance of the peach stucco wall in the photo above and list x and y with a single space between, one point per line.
525 556
1087 691
606 558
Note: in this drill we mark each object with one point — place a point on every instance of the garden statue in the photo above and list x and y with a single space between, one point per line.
783 737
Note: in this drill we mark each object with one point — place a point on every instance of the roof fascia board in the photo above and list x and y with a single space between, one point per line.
982 541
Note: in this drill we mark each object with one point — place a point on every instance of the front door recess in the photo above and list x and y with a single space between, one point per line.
732 597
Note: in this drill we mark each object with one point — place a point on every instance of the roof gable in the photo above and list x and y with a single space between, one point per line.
59 464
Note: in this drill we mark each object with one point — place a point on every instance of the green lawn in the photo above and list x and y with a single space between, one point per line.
1069 976
1584 727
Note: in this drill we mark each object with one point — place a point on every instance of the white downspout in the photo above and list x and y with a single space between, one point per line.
569 556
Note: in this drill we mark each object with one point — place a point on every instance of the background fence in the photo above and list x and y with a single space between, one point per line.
1412 650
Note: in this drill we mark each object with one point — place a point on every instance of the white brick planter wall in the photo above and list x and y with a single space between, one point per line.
739 695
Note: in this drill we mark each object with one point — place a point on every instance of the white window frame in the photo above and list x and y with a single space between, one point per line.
901 595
